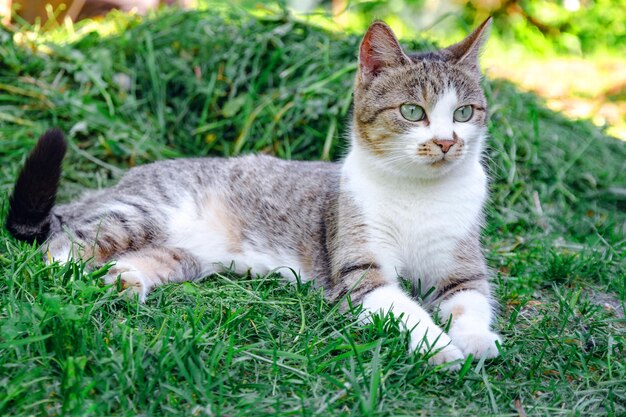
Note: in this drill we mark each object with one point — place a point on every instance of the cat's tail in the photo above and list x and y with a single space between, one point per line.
36 187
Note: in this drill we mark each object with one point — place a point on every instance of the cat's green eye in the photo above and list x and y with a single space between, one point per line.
463 113
412 112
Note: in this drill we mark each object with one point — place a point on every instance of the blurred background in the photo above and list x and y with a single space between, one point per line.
570 52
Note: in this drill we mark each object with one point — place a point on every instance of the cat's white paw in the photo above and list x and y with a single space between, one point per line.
479 344
448 354
130 279
443 351
60 255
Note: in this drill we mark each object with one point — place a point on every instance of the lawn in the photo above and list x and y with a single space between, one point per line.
224 83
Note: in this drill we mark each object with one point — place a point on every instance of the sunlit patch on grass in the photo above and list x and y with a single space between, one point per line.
592 88
36 37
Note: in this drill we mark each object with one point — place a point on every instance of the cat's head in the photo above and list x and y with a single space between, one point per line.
419 114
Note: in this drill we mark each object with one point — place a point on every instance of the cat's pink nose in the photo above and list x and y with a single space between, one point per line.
445 145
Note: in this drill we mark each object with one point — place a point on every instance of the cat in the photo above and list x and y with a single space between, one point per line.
406 202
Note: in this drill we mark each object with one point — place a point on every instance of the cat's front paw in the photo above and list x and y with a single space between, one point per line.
446 355
440 349
479 344
130 279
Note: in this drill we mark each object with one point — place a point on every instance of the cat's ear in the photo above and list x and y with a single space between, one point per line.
468 50
379 50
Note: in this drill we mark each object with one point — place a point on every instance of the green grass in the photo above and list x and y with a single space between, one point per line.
221 84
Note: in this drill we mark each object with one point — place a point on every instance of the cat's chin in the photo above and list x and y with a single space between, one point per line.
421 171
429 170
441 163
444 164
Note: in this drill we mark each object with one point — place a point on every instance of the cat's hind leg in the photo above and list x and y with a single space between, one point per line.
149 267
61 248
98 230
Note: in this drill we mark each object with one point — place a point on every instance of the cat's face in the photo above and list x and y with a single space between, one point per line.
419 115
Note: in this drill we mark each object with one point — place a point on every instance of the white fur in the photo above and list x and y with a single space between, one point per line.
205 236
470 330
131 278
426 336
441 116
61 255
417 214
416 225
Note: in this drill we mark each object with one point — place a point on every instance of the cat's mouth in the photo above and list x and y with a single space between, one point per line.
441 152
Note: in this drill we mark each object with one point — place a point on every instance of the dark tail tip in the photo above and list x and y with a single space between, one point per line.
36 188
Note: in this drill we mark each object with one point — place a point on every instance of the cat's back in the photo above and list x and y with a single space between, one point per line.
249 175
278 175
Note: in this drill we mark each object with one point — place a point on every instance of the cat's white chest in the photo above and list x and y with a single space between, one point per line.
415 229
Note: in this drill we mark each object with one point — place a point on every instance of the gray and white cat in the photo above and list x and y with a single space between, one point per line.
406 201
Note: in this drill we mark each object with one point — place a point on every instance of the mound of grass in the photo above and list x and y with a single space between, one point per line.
224 83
